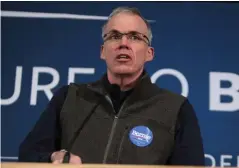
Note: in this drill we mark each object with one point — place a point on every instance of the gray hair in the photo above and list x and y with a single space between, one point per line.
134 11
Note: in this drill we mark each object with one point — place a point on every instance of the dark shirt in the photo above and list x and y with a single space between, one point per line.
117 96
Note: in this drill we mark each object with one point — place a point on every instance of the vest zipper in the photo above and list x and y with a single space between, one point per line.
110 139
112 129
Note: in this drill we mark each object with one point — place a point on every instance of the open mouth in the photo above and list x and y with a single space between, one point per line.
123 57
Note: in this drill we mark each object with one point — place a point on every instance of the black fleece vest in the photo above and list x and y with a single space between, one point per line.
142 132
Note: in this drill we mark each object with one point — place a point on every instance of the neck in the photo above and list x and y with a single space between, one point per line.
125 81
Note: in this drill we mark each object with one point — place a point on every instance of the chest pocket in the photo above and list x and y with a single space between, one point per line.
145 141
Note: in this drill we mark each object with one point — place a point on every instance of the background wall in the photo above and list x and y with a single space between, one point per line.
196 46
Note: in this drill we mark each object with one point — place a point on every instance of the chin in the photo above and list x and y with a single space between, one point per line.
123 70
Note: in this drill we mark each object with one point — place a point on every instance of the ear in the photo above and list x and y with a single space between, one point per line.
150 54
102 55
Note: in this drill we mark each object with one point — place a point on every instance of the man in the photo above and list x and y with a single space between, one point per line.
121 119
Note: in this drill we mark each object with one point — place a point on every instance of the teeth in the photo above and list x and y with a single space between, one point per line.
123 56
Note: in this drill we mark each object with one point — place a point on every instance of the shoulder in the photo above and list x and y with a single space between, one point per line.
170 96
186 110
61 93
170 93
63 90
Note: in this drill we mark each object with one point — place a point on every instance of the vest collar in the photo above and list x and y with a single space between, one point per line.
143 90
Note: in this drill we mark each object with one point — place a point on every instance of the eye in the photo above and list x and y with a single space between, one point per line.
115 36
135 37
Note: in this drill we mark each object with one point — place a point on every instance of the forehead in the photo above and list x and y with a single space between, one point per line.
125 22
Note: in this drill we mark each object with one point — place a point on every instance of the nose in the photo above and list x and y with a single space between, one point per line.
123 44
124 40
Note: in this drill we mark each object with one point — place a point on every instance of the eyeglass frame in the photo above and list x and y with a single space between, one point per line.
144 38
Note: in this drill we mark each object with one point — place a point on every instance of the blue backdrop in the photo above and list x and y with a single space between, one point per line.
196 48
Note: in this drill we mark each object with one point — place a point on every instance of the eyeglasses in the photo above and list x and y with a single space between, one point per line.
132 36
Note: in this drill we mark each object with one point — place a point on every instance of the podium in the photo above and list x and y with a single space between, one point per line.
49 165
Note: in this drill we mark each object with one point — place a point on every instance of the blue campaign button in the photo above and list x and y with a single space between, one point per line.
141 136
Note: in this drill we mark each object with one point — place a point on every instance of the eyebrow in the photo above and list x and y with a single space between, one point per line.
117 31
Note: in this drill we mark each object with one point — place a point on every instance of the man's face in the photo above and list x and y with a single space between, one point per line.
126 54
